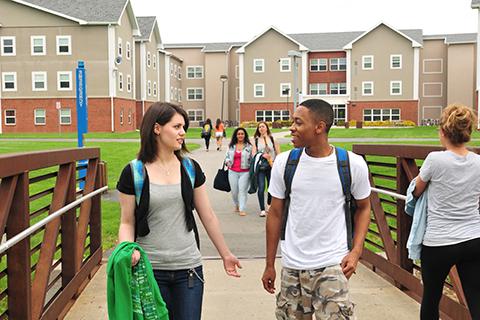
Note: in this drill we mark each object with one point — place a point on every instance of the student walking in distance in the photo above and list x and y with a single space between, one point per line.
452 236
158 215
311 216
207 133
239 155
269 149
219 127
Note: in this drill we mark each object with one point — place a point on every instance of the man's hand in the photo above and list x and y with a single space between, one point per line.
349 263
268 279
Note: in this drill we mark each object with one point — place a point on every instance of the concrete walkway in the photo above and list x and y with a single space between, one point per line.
244 298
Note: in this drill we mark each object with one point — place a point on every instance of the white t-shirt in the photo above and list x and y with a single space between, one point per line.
316 235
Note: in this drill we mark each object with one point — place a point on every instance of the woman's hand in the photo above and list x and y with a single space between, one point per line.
135 257
230 264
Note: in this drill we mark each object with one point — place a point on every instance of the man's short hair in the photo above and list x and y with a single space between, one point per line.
322 110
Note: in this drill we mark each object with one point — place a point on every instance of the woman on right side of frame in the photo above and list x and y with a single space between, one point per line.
452 236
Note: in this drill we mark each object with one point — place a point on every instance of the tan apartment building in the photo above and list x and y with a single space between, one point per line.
147 62
447 74
476 5
41 43
211 79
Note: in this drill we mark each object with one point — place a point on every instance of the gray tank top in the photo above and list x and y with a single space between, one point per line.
169 245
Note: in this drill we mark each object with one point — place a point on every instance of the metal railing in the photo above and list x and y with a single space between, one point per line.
392 167
53 230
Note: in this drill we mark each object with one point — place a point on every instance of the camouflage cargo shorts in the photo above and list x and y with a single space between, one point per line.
323 292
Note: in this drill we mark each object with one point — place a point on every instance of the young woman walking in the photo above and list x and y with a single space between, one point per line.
269 149
162 223
452 236
238 159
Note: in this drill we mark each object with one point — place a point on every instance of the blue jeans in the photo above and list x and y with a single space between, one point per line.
182 291
239 182
261 177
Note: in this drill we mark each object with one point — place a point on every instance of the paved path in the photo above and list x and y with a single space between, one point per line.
238 299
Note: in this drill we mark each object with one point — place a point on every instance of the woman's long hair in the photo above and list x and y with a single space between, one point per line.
161 113
257 132
234 139
218 123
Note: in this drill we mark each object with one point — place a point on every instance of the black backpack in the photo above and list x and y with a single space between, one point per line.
343 166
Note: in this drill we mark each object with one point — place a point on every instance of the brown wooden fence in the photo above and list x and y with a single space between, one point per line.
46 270
392 167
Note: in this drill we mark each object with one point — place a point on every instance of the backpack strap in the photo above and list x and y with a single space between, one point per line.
138 174
256 143
290 167
343 166
187 163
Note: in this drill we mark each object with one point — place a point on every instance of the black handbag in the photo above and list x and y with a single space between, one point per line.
221 179
263 164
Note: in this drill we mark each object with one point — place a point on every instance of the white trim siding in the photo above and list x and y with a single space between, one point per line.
416 72
304 71
242 77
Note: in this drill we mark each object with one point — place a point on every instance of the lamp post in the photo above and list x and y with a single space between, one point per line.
223 79
294 55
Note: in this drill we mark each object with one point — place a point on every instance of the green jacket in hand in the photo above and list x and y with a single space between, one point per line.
132 292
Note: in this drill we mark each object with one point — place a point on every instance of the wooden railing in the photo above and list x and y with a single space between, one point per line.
46 270
392 167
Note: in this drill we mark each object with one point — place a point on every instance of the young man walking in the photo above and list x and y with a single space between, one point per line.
319 250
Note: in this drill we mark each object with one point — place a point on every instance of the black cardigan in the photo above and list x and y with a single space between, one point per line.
125 185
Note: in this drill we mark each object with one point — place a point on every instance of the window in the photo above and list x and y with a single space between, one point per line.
65 116
194 72
38 44
395 88
339 113
285 65
338 64
432 66
381 114
318 88
120 81
175 92
171 69
40 117
154 88
175 71
121 116
9 81
285 90
396 61
338 88
258 65
129 83
367 62
130 118
172 95
10 119
195 114
129 50
120 49
179 73
367 88
8 46
64 45
271 115
154 62
194 94
149 59
258 90
317 65
179 95
64 80
149 87
39 81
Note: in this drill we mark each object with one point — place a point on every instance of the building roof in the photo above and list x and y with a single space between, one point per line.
454 38
206 47
476 4
414 35
325 41
301 46
145 24
82 11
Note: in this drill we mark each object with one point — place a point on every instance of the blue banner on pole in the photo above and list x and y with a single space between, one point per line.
82 115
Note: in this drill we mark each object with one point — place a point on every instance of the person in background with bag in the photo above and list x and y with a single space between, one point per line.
452 235
219 133
269 149
162 220
207 133
239 155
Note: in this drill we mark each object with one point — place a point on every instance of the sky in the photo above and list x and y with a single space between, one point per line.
182 21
